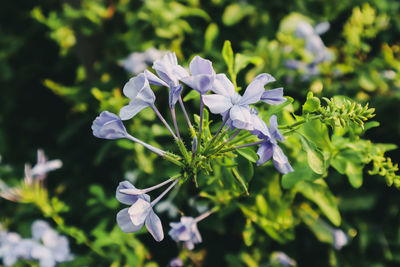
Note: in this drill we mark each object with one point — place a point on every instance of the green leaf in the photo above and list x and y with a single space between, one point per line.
210 35
235 13
241 181
249 233
227 54
193 94
278 108
248 153
320 194
355 174
312 103
241 62
261 204
314 156
302 171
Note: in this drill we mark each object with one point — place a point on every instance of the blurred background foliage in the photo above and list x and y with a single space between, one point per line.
60 65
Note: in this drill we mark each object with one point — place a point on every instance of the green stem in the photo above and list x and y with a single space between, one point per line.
291 126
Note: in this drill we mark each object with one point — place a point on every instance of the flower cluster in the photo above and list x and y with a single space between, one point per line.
33 179
220 96
314 47
45 246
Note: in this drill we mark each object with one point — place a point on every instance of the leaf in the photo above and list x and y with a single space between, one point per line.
248 153
261 204
227 54
193 94
302 172
314 156
320 194
210 35
241 181
355 174
235 13
241 62
312 103
249 234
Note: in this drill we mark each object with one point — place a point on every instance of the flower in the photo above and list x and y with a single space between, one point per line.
202 77
340 239
170 73
138 90
141 212
137 62
8 242
185 231
273 96
269 148
229 103
51 247
108 126
175 262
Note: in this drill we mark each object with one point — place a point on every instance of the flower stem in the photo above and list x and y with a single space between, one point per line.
201 118
172 158
135 192
163 120
226 142
291 126
245 145
155 201
149 147
175 122
186 116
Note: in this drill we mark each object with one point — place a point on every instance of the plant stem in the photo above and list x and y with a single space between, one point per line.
291 126
186 116
149 147
155 201
163 120
175 122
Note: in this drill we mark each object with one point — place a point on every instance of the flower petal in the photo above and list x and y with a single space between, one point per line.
139 211
174 93
273 124
135 85
241 117
264 152
154 226
256 88
134 107
217 103
223 86
125 198
273 96
280 161
199 65
202 83
38 229
153 79
125 223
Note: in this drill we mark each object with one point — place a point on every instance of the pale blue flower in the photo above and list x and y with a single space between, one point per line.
108 126
138 90
270 148
229 103
175 262
137 62
273 96
202 75
340 239
53 248
186 231
170 73
141 212
8 243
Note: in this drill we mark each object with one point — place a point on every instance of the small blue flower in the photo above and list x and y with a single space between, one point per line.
43 165
138 90
273 96
53 249
202 75
141 212
186 231
170 74
270 149
137 62
108 126
229 103
340 239
175 262
282 259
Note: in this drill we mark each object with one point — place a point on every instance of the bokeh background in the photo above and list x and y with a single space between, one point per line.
61 63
